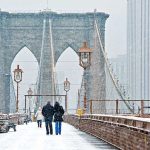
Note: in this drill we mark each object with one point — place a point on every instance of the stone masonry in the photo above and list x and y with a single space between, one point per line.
123 133
18 30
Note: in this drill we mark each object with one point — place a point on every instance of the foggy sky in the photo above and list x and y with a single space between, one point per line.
115 37
115 25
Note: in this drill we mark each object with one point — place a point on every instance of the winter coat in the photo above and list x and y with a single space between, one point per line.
59 111
48 112
39 115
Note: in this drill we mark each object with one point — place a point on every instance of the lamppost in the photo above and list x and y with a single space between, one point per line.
30 92
66 88
17 78
85 61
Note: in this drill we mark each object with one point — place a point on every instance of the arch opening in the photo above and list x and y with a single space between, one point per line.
29 65
67 66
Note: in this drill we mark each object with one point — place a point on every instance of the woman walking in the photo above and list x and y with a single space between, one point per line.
59 111
39 117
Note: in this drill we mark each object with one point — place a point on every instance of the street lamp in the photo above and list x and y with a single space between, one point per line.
30 92
17 78
85 56
66 88
85 61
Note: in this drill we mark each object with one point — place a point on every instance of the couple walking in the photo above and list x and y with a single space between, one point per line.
48 112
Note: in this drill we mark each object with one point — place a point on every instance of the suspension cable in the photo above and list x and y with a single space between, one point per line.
107 64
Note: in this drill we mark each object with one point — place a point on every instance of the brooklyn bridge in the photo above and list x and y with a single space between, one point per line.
106 115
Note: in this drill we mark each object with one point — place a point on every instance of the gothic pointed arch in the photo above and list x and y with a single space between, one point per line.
29 65
67 66
24 47
65 47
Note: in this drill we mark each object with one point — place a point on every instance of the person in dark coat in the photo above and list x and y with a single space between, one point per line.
48 112
59 111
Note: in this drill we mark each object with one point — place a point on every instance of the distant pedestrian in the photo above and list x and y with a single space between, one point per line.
39 117
48 112
59 111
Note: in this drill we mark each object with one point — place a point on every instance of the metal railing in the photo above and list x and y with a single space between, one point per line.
140 107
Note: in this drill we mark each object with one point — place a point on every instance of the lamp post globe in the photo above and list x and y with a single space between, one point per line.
66 88
30 92
66 85
85 56
17 78
18 74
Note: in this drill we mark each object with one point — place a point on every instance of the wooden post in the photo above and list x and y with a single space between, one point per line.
66 109
142 108
25 104
91 107
85 101
17 100
117 106
78 99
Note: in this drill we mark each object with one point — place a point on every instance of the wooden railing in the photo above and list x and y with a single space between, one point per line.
139 107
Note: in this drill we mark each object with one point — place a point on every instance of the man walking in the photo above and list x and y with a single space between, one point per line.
48 112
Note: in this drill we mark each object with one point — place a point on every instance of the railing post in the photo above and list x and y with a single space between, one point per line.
133 108
25 104
85 102
66 109
117 105
142 107
91 107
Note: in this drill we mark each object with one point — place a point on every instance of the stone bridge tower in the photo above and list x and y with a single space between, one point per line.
47 35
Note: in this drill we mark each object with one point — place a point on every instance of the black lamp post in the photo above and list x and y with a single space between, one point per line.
85 61
30 92
17 78
66 88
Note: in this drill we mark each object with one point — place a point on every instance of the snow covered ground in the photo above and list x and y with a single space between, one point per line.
30 137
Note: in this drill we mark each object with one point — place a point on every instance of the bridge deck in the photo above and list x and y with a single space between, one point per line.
29 137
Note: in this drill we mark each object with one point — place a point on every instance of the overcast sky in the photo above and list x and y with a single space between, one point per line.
115 26
115 38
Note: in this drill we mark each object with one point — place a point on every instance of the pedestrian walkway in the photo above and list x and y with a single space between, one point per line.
30 137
